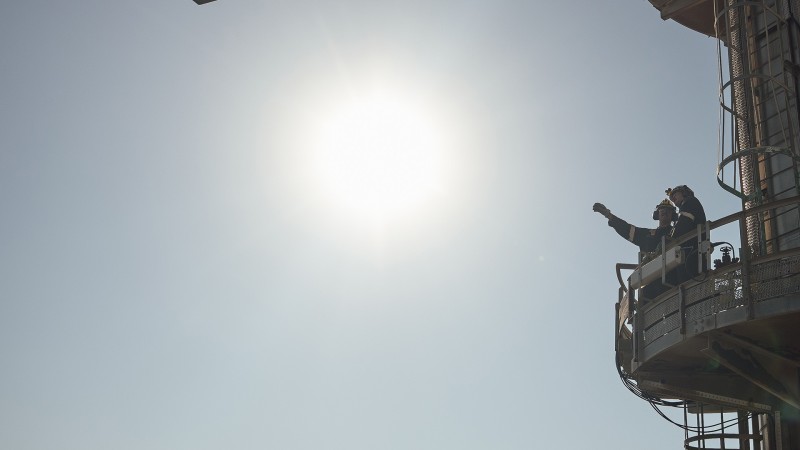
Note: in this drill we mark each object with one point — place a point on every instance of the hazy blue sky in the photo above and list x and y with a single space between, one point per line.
174 274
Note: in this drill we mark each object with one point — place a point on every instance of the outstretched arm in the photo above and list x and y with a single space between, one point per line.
624 229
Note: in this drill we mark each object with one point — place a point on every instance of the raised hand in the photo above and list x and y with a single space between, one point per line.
601 208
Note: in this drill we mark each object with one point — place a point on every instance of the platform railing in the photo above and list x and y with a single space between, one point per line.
719 297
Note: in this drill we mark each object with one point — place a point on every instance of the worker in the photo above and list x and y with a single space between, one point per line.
646 238
691 212
690 215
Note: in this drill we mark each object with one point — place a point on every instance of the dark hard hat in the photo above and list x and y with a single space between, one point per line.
687 192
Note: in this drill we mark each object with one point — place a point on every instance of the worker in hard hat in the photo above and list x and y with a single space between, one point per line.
690 215
691 211
646 238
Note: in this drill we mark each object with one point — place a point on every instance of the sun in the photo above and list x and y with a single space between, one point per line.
380 156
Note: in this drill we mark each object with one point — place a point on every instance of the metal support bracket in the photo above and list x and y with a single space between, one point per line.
759 366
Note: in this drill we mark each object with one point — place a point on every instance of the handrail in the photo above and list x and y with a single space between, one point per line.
623 266
777 255
714 224
758 209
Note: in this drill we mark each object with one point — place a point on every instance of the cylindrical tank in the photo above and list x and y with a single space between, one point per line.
759 55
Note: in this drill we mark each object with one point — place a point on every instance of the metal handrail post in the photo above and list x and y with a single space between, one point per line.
631 300
682 309
699 248
663 260
710 249
636 325
616 324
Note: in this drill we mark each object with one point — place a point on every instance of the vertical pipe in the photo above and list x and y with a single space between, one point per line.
722 426
744 441
686 421
758 439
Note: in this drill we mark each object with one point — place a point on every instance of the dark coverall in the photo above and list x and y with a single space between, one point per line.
646 238
691 214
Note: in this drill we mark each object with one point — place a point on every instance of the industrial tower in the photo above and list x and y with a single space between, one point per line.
725 346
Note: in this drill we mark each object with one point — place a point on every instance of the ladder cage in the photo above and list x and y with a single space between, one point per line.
713 427
759 69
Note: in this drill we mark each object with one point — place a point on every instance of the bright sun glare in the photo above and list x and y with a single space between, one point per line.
380 156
